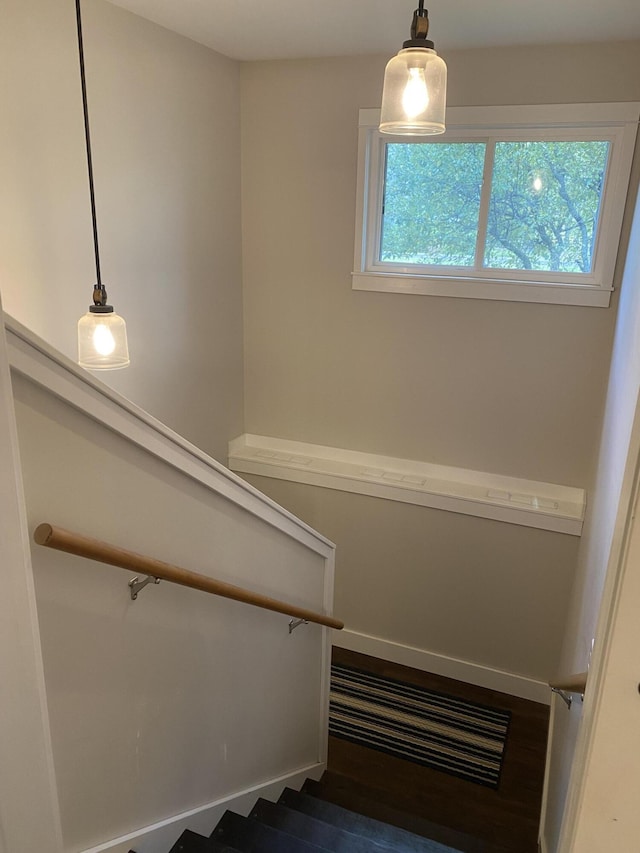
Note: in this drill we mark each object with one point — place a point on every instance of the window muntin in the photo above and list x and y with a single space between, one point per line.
385 263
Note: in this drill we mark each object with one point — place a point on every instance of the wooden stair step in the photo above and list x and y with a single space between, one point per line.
369 801
383 833
249 836
191 842
312 829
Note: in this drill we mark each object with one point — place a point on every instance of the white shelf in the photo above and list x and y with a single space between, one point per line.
526 502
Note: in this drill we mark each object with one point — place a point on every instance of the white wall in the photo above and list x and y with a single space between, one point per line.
508 388
465 588
179 701
602 540
406 375
27 779
608 815
164 116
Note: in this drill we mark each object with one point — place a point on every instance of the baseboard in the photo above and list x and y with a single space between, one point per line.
461 670
161 836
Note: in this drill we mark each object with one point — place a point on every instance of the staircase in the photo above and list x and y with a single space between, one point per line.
307 822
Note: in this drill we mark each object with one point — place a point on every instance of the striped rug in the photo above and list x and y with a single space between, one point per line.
410 722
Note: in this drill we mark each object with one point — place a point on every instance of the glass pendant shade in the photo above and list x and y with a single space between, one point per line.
102 341
414 93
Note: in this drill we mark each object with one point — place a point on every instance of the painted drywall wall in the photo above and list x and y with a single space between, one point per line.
509 388
602 541
376 372
27 780
608 816
164 116
443 578
150 713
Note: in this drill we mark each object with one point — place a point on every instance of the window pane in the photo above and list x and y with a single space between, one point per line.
545 199
431 203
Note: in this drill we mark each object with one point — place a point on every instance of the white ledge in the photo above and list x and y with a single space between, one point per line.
526 502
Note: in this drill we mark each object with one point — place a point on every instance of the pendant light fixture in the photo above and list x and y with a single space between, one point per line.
415 85
102 334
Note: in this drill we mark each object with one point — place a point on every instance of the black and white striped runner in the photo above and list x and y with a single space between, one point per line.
419 725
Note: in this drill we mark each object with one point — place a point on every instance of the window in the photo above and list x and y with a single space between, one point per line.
516 203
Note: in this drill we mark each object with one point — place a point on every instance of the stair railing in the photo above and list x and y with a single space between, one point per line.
156 570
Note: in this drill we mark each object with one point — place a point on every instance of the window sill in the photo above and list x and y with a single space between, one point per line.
506 291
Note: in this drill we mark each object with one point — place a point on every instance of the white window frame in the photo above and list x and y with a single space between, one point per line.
615 123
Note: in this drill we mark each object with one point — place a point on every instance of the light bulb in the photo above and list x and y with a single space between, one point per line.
415 98
537 184
103 340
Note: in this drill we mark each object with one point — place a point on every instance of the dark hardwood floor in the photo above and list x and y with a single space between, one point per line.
501 821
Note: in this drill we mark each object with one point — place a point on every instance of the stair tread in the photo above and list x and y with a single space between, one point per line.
192 842
312 829
250 836
344 792
359 824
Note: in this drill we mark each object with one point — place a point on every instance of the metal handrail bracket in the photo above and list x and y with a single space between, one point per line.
566 698
135 585
572 684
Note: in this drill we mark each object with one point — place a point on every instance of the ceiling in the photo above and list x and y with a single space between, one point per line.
291 29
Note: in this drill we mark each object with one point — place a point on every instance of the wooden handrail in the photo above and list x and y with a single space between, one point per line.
94 549
571 684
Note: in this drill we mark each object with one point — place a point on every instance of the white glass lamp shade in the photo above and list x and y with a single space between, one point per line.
102 341
414 94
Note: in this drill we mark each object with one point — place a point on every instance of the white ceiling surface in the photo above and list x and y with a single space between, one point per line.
292 29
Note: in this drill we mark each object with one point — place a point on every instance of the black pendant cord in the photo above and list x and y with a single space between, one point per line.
99 285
